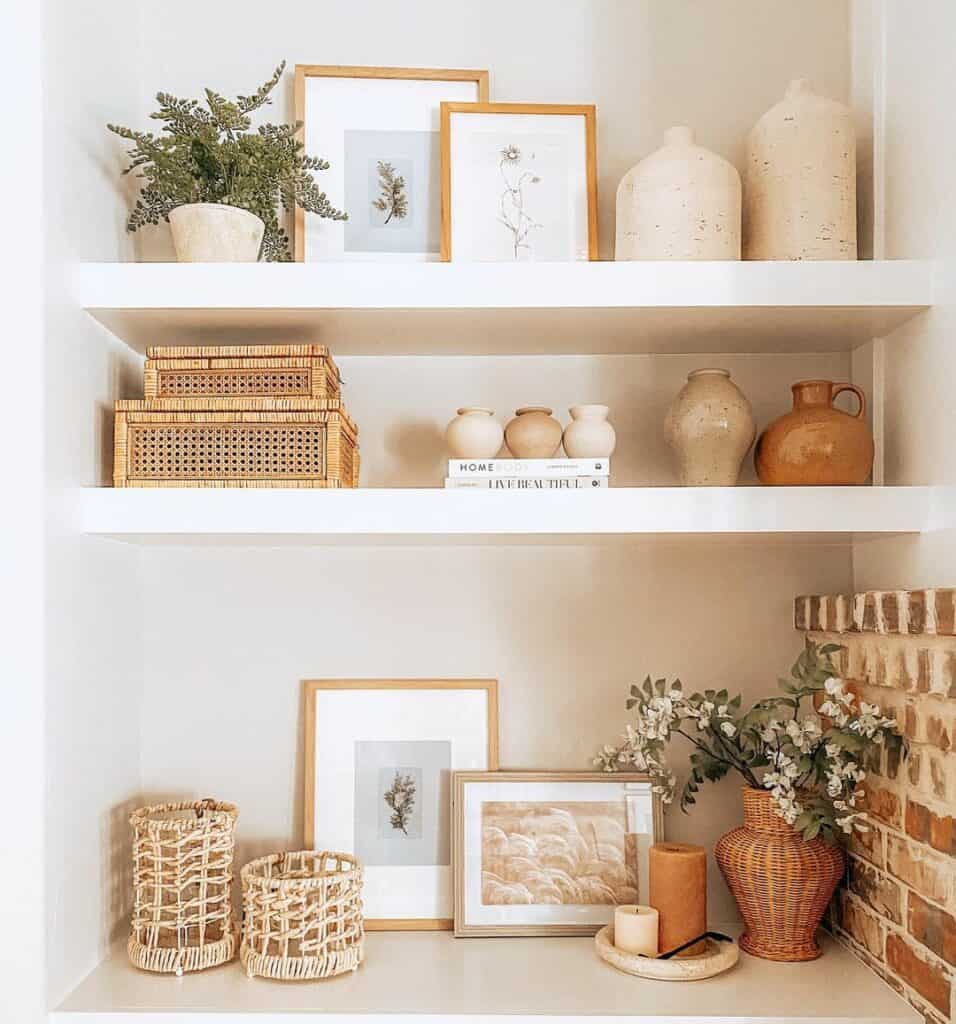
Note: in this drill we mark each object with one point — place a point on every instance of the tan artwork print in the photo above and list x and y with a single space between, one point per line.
557 853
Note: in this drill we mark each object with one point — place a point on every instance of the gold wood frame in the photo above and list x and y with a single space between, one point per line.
304 71
312 686
587 110
461 779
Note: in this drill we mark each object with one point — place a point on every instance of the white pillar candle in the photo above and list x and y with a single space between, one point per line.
635 929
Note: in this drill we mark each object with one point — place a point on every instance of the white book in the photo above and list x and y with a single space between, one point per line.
528 467
525 483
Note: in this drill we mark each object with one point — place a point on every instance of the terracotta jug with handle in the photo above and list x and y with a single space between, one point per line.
815 444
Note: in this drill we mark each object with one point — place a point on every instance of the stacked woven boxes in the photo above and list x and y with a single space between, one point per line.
237 416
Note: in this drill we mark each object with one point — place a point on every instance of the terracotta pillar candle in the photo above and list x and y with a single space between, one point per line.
678 891
635 929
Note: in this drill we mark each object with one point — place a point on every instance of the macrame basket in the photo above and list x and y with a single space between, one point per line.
182 878
302 916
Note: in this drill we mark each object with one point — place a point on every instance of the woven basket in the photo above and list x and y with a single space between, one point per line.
182 880
302 916
234 442
241 371
782 883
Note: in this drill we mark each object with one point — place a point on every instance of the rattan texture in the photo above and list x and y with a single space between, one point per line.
234 442
263 371
302 916
182 886
782 883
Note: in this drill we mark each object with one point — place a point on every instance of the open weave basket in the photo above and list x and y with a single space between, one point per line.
302 915
182 879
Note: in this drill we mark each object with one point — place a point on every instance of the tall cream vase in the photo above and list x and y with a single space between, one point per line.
680 203
215 233
800 180
710 427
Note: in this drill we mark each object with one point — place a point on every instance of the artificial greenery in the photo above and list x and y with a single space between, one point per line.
209 155
810 758
393 199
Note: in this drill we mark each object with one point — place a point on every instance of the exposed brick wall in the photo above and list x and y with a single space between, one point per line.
897 906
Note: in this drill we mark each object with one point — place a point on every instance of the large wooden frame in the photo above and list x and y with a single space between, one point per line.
587 111
461 779
304 71
312 686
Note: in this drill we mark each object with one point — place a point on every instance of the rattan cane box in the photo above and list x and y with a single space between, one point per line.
235 442
237 371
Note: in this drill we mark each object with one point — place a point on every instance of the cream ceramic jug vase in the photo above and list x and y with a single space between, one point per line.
710 428
589 435
474 434
800 180
680 203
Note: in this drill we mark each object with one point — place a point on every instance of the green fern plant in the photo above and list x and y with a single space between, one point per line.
207 154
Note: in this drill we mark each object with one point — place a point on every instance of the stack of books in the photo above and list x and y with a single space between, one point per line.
528 474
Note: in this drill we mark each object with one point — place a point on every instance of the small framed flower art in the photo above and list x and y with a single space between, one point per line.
378 129
519 182
379 758
550 853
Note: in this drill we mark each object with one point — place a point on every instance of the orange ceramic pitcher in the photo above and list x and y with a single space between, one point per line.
814 443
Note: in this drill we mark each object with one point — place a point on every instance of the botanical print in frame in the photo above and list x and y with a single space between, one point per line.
519 182
379 130
379 759
549 853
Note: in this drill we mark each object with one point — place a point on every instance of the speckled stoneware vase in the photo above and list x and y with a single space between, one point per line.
680 203
800 180
710 427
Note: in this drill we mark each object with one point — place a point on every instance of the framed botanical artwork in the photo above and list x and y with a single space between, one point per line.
519 182
550 853
379 758
379 130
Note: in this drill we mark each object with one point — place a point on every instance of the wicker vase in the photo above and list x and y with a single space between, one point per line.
781 882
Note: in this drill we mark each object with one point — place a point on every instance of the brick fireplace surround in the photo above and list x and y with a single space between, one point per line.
897 907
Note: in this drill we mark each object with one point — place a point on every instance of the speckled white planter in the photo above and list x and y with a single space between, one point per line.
800 180
680 203
215 233
710 427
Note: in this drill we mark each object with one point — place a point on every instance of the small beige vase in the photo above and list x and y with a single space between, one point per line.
589 435
215 233
533 434
710 427
800 180
474 434
680 203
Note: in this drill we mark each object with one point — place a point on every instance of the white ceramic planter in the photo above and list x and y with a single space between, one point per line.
474 434
215 233
680 203
589 435
800 180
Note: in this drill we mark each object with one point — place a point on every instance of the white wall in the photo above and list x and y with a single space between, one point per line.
916 79
92 618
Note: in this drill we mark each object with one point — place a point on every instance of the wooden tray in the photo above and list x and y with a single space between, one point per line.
720 957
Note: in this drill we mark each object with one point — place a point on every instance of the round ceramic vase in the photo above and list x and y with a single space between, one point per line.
589 435
815 444
710 427
474 434
533 434
215 233
800 180
680 203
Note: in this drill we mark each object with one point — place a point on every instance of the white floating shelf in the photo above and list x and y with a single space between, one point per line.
427 976
495 309
434 516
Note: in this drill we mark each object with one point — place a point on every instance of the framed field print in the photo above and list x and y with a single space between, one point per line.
379 758
519 182
379 130
550 853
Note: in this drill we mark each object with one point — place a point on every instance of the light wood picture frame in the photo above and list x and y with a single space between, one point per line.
567 819
370 722
323 136
583 241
